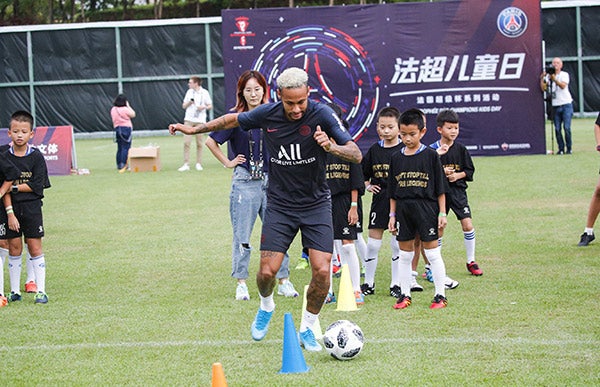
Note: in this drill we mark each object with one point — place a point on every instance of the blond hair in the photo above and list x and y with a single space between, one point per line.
292 78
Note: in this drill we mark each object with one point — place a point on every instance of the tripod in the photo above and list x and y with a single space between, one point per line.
550 110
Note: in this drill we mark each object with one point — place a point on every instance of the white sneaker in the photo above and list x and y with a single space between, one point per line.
414 285
287 289
241 292
198 167
450 283
184 167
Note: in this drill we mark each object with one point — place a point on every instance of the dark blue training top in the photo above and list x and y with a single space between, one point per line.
296 161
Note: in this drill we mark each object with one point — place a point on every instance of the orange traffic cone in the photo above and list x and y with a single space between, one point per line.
218 375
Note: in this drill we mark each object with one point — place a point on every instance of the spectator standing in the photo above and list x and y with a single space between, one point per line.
196 103
121 114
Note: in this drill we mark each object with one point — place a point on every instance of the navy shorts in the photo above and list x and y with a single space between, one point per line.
379 216
280 227
456 200
30 219
341 229
417 217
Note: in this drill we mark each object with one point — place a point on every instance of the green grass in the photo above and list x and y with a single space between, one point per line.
141 294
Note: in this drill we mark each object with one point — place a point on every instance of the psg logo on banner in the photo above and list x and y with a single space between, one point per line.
512 22
319 49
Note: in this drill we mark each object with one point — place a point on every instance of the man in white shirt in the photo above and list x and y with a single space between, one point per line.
562 103
196 103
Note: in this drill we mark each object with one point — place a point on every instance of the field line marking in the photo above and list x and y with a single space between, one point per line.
228 343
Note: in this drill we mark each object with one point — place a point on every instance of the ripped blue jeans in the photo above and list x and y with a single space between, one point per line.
247 200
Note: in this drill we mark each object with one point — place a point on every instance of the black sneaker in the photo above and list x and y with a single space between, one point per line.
367 290
586 239
395 291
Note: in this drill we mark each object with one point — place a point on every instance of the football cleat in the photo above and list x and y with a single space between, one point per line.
360 299
308 341
260 325
30 287
438 302
3 301
12 297
403 302
428 274
330 299
474 269
450 283
395 291
366 289
337 270
415 286
41 298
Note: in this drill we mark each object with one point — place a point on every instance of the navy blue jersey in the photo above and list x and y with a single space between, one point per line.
459 158
239 144
419 176
296 161
33 172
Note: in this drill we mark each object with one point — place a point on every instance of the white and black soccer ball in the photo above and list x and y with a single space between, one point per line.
343 340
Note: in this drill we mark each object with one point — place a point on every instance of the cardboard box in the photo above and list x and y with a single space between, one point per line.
144 159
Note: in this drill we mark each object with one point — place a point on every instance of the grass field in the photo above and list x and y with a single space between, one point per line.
140 289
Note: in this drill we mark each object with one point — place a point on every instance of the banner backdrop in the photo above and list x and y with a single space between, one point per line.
481 58
55 143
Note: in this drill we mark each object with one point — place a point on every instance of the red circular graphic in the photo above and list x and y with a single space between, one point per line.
304 130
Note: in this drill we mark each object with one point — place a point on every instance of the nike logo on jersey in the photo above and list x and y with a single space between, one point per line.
271 130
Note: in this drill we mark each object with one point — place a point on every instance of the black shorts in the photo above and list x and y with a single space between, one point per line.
30 219
340 207
456 200
280 227
379 216
417 217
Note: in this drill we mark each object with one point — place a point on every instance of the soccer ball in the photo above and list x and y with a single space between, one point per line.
343 340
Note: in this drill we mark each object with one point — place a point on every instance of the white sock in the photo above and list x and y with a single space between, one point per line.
335 256
361 248
405 271
14 271
39 268
373 246
589 231
395 257
350 258
29 266
308 320
3 255
438 270
267 303
469 237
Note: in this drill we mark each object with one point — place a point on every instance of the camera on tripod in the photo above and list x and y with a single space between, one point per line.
550 70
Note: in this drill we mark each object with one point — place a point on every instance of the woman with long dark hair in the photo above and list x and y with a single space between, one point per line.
121 114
